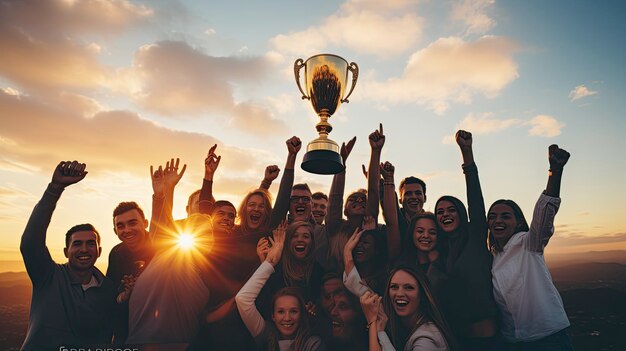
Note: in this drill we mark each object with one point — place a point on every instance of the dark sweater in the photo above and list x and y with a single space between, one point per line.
61 312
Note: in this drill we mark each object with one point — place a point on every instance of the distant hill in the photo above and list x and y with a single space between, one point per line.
590 272
560 260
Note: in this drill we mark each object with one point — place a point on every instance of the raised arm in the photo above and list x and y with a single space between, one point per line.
281 205
335 196
373 311
246 297
164 181
271 173
377 141
542 224
211 162
390 210
36 256
475 201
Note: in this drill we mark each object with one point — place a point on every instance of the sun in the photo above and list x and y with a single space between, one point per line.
186 241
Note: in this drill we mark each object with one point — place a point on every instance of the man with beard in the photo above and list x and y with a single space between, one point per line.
348 324
72 303
128 258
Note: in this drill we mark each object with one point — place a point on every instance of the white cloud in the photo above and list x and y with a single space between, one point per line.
580 92
545 126
174 79
472 13
450 70
391 28
210 31
483 125
257 119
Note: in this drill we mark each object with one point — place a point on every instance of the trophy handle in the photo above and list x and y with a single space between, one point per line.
354 68
296 71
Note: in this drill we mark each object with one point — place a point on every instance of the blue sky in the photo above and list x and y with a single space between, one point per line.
122 85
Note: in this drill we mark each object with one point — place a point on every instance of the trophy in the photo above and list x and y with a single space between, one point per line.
325 80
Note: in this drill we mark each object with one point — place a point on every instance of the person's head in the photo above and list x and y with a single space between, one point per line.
370 248
347 317
412 195
409 303
504 219
451 215
193 203
299 243
331 284
130 225
356 203
300 203
255 211
422 232
223 216
320 204
290 318
82 247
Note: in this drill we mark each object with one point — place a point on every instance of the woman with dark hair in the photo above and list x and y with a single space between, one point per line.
531 308
365 257
422 249
297 267
467 295
414 320
289 327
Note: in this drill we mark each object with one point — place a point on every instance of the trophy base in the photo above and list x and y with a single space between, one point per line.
322 162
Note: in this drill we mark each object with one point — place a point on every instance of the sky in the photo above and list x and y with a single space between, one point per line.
121 85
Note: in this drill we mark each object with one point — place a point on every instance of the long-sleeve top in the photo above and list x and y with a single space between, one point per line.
63 311
467 296
530 306
253 320
426 338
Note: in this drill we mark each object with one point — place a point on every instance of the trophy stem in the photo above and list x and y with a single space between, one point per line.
323 127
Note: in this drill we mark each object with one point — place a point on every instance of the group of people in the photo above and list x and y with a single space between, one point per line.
307 271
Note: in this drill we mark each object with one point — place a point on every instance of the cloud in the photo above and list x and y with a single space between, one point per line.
565 238
174 79
391 28
482 125
472 14
545 126
257 119
450 70
487 123
117 142
40 48
580 92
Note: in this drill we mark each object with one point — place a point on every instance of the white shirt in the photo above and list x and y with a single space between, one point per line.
530 306
426 338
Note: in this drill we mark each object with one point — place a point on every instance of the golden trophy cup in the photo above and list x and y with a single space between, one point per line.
325 80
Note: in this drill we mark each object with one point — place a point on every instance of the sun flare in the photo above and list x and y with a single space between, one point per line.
186 241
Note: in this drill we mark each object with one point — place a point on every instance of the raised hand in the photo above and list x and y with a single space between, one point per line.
557 157
346 149
364 170
293 145
463 139
271 173
370 303
128 282
211 162
158 181
277 243
377 138
68 173
369 223
352 242
262 248
387 171
170 173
